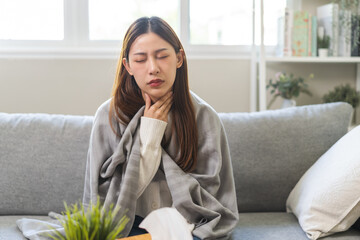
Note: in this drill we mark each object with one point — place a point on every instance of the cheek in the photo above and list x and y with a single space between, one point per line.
172 71
138 75
173 75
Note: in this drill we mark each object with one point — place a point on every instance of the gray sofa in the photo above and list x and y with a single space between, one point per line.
43 159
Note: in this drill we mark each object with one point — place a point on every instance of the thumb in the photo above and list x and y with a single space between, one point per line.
147 101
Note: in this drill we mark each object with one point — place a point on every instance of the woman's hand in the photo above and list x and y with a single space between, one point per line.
160 109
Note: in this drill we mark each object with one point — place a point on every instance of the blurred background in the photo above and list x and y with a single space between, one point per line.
60 56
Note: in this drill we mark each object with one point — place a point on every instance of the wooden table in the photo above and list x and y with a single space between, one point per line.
146 236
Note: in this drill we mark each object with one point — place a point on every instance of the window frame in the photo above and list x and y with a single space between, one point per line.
76 42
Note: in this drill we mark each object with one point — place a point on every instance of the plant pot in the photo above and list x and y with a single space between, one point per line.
323 52
288 103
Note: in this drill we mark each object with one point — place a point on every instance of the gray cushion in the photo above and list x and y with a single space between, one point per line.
278 226
42 161
272 149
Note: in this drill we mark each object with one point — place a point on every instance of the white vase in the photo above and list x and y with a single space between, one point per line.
288 103
323 52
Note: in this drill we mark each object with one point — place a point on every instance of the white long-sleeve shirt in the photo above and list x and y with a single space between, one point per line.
155 193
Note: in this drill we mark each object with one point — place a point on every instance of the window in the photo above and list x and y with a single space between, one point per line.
96 27
272 10
24 19
109 19
226 22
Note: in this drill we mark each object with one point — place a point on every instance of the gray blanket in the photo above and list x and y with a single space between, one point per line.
205 197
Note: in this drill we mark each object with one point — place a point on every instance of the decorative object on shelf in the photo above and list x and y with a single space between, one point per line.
288 103
287 87
344 93
349 35
323 42
94 223
328 18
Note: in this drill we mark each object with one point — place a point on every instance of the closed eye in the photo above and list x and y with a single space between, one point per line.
162 57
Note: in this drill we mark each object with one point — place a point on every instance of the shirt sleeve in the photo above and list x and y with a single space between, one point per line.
151 133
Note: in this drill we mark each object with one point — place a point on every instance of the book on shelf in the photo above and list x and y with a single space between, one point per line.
355 36
345 33
285 23
328 17
314 36
280 37
309 37
300 34
298 31
297 34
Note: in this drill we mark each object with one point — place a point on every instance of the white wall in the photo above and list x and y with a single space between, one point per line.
79 86
69 86
223 83
54 86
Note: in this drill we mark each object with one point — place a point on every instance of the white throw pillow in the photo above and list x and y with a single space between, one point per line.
326 198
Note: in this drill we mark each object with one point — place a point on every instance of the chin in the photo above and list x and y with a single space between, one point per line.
155 95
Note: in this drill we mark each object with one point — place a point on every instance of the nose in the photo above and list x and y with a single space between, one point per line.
153 67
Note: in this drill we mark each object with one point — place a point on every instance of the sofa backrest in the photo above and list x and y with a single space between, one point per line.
43 156
271 150
42 161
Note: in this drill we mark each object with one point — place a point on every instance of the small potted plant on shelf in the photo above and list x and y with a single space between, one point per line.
95 223
287 87
323 43
344 93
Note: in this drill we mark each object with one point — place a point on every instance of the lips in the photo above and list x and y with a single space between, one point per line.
155 82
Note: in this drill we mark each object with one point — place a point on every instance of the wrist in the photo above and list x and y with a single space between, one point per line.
152 131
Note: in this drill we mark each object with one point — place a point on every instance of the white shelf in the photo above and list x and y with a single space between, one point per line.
314 59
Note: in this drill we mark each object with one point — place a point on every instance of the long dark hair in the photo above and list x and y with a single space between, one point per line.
127 98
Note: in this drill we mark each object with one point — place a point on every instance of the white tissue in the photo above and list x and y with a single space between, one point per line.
167 223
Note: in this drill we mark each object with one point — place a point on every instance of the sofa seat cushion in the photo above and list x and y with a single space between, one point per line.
8 228
278 226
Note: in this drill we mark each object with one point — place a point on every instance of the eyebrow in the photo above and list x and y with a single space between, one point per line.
157 51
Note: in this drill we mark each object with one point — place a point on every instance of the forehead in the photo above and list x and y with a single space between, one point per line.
149 42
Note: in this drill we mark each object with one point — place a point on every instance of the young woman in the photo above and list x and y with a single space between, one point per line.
155 144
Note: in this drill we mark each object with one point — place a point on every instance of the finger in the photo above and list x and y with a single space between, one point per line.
161 101
166 103
163 112
166 110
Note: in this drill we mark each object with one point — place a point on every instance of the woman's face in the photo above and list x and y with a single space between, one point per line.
153 63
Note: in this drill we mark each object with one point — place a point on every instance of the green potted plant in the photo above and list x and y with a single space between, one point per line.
343 93
95 223
287 87
323 42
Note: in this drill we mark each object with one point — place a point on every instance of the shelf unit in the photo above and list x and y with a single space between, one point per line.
314 59
263 59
